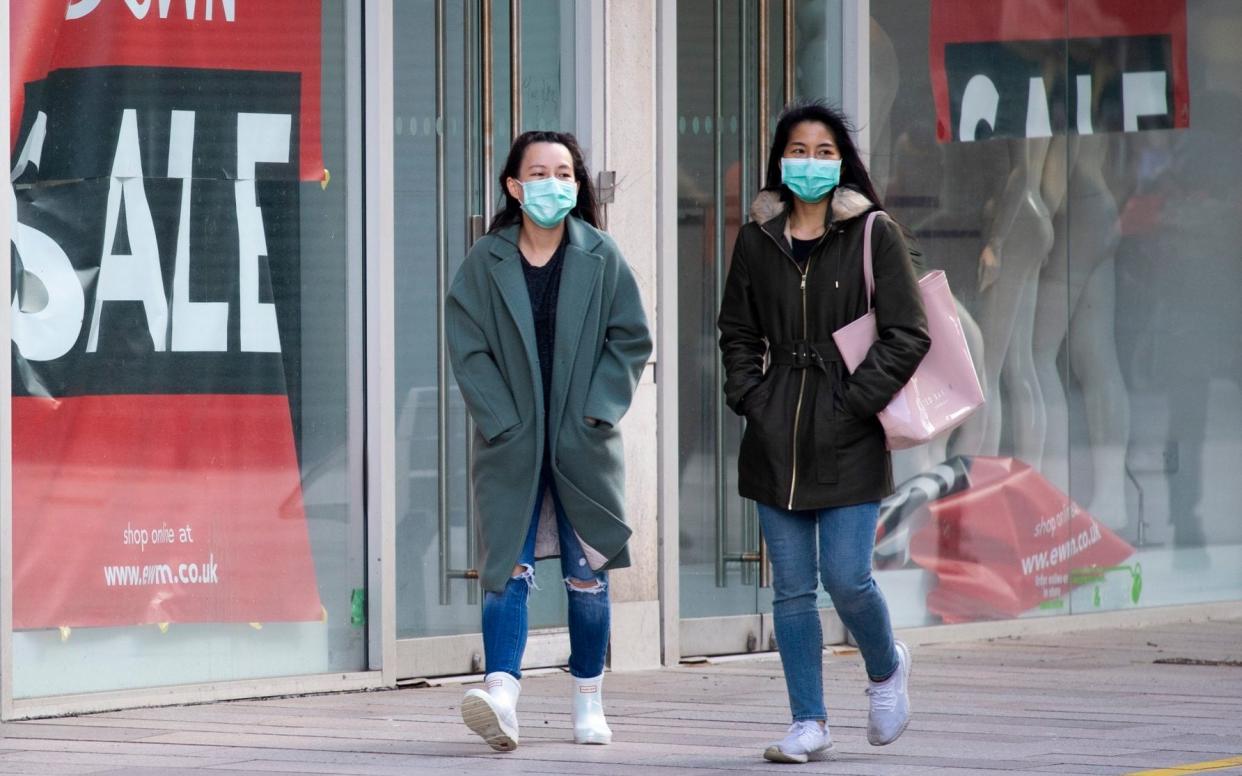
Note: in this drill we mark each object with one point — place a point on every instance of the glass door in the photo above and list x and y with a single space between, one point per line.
468 77
738 63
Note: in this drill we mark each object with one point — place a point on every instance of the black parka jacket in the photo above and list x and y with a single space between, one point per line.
812 438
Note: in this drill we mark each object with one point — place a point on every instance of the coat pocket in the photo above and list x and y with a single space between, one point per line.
757 400
766 441
506 435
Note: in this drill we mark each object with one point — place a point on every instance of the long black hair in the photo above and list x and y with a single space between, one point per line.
511 213
853 171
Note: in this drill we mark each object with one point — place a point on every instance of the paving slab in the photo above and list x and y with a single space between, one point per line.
1077 703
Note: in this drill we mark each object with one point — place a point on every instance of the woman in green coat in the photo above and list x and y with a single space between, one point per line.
547 337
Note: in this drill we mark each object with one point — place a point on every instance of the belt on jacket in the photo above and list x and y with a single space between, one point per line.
801 354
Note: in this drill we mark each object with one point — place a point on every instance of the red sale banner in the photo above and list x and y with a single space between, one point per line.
160 153
1034 68
151 509
267 36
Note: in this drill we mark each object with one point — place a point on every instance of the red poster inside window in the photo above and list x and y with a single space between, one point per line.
271 36
161 148
1033 68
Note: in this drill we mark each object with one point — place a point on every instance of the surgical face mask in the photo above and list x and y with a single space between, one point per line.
548 200
811 179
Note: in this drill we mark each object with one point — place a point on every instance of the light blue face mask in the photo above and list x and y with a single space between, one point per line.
811 179
548 200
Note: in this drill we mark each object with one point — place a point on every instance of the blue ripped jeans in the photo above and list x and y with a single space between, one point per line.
833 545
504 613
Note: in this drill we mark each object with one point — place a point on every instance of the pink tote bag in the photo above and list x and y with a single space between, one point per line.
944 390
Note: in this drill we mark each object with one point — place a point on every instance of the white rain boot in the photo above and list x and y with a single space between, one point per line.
590 727
492 713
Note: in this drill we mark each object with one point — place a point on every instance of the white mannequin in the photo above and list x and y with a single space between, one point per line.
886 156
1079 291
1018 241
915 460
884 83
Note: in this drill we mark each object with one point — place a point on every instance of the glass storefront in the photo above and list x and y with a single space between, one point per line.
1065 163
1069 165
182 449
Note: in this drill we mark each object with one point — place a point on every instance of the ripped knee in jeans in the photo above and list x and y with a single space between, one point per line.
589 586
525 572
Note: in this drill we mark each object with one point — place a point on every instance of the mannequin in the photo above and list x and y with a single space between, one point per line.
940 250
1077 288
901 164
1019 238
884 83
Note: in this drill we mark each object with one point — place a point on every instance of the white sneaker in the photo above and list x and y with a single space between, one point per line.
590 725
492 714
890 703
806 740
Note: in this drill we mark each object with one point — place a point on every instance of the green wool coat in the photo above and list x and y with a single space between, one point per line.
602 345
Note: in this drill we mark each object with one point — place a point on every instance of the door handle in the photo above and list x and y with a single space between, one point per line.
470 572
747 557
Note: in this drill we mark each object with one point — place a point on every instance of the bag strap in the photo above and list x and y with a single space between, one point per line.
868 268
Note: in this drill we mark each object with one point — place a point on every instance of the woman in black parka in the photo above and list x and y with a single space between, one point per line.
813 455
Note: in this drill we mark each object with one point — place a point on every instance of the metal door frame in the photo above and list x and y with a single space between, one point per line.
419 657
6 408
733 634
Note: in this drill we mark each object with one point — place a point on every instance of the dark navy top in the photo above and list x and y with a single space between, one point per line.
544 285
802 250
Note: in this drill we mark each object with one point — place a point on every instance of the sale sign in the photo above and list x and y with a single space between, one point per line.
1035 68
157 177
219 36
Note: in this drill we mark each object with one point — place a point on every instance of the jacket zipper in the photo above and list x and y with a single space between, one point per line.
793 476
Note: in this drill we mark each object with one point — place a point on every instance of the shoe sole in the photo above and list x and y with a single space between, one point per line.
593 738
775 755
905 724
482 719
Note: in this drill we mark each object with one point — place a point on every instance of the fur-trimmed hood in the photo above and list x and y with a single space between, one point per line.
847 203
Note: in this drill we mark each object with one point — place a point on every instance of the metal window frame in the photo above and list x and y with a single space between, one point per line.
515 69
856 71
6 409
790 51
590 83
371 21
666 349
381 446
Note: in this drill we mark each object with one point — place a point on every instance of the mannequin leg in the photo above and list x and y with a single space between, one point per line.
1026 409
938 448
1052 308
997 320
1093 356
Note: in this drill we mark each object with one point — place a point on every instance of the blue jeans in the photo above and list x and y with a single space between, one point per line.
842 559
504 613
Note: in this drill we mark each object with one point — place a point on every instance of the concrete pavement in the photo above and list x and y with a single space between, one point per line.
1116 701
